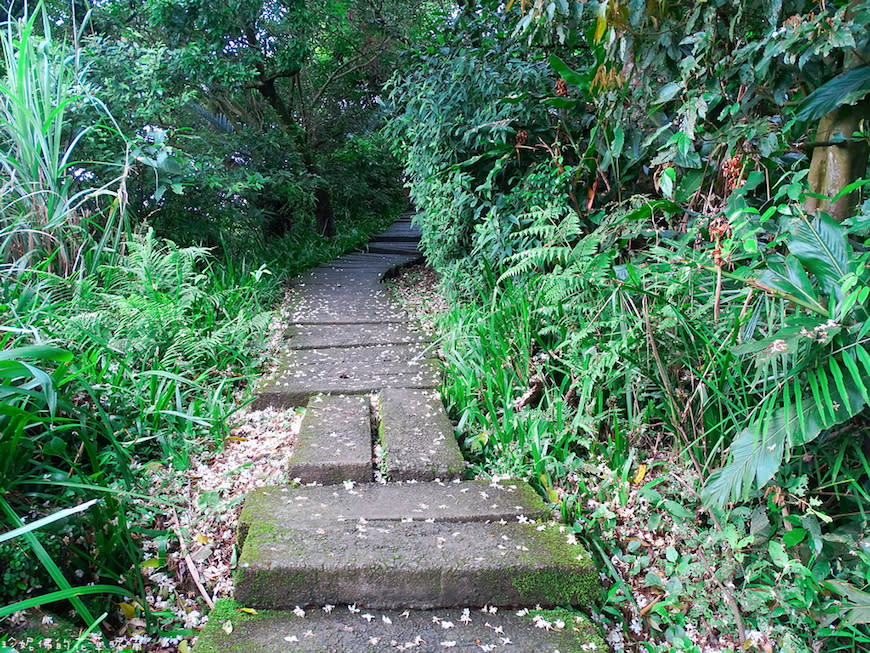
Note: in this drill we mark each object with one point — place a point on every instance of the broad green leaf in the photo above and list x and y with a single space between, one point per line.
667 92
864 357
821 245
813 380
677 510
799 411
646 211
827 399
794 536
846 88
855 185
791 281
565 72
777 554
39 352
858 606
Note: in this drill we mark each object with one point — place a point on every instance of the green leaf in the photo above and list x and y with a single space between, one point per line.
822 247
858 606
39 523
846 88
794 536
39 352
70 594
677 510
666 182
667 92
790 279
654 580
646 211
565 72
777 554
560 102
799 411
618 142
837 374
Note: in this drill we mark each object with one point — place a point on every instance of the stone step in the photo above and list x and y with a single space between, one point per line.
393 247
286 507
345 370
417 436
345 307
334 442
399 231
290 393
308 336
232 628
413 564
403 236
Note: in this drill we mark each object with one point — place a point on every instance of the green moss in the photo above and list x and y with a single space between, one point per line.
574 581
214 638
578 622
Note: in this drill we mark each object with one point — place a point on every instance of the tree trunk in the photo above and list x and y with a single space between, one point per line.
323 211
835 166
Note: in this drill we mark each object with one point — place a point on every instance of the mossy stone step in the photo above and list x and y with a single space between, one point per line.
232 629
319 336
334 442
346 370
417 436
285 507
413 564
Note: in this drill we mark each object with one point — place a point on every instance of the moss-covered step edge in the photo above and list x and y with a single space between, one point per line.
421 565
417 437
286 507
294 392
234 628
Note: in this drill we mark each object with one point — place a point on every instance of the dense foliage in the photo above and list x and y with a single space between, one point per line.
655 213
159 185
652 217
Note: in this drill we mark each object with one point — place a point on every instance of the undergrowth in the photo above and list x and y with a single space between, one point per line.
119 349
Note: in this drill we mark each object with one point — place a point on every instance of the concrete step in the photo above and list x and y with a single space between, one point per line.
412 564
334 442
417 436
345 306
286 507
393 247
399 231
233 628
319 336
345 370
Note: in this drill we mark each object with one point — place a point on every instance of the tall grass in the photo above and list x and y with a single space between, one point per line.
47 212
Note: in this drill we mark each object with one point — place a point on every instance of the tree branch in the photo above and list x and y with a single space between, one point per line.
339 73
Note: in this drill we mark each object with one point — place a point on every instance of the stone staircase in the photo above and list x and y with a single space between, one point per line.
426 561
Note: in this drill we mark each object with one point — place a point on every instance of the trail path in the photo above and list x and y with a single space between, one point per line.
423 560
